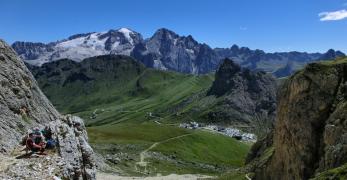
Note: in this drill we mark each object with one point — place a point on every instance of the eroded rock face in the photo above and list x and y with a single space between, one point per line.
310 135
23 106
73 146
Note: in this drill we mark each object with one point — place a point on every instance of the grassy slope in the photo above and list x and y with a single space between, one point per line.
146 133
198 147
159 91
210 148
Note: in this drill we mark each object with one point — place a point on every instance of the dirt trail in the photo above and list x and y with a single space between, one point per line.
105 176
143 154
247 177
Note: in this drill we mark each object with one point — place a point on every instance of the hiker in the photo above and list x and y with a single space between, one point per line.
50 142
35 143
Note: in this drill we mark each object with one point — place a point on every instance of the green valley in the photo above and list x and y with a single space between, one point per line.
132 115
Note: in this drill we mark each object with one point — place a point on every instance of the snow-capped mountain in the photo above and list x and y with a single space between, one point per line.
165 50
80 46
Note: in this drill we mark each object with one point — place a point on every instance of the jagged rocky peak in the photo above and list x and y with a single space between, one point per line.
165 34
230 74
248 92
163 41
22 107
311 127
224 75
332 54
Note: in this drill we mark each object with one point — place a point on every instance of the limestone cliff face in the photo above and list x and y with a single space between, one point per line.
23 106
310 134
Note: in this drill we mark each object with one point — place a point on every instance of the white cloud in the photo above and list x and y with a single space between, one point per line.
333 16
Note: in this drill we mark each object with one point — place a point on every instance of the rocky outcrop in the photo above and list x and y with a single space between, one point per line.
245 94
23 106
311 128
78 156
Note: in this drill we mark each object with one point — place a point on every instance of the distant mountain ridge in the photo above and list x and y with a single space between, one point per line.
165 50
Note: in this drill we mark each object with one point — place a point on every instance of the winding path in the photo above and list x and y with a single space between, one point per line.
143 154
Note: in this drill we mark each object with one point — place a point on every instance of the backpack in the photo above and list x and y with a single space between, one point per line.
37 139
50 144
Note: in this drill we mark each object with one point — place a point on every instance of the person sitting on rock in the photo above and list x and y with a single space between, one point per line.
50 142
35 143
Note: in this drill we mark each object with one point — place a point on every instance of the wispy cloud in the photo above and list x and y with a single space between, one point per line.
333 16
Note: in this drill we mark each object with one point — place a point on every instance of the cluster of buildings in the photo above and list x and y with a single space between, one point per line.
190 125
231 132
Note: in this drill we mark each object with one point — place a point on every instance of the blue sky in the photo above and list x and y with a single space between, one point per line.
271 25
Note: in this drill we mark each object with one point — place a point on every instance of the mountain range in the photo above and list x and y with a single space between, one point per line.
165 50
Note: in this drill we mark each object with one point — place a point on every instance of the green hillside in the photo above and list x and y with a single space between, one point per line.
117 90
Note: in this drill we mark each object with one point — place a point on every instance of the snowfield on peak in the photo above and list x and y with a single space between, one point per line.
127 33
91 40
88 45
